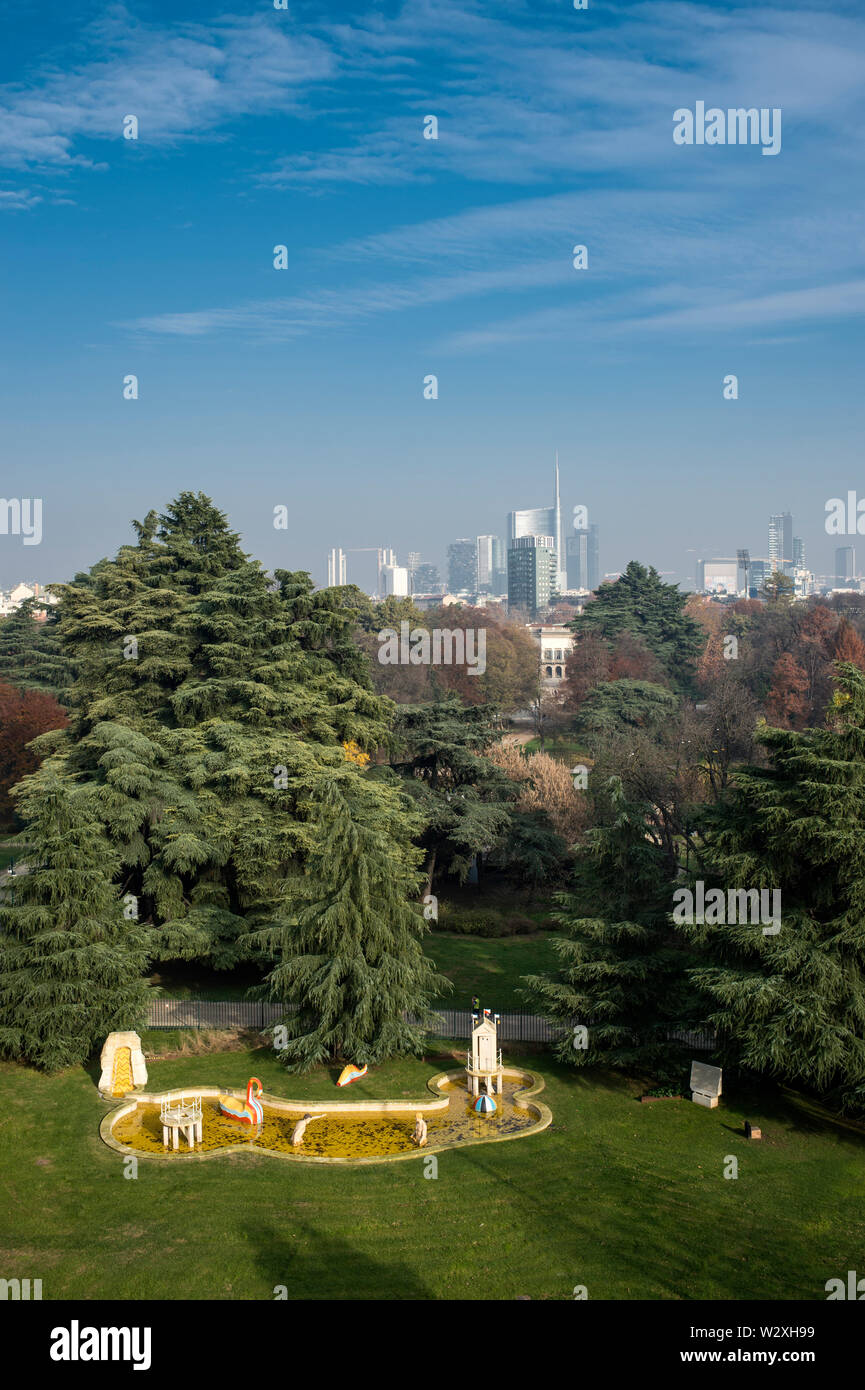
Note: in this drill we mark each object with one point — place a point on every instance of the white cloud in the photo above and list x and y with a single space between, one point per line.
179 82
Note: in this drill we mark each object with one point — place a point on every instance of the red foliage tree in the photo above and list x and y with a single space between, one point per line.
787 704
23 715
849 645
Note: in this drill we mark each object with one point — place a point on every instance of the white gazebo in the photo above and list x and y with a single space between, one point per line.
181 1114
484 1062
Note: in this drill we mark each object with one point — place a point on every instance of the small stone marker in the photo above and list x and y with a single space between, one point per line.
752 1132
705 1084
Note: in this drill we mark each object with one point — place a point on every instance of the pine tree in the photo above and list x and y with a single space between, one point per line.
31 652
463 796
350 967
641 604
622 972
792 1002
204 690
70 963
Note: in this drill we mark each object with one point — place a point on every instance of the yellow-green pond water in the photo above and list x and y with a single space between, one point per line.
338 1135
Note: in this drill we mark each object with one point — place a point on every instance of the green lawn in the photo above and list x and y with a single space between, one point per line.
10 852
627 1199
565 749
490 967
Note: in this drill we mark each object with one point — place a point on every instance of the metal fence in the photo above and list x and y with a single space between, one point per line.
211 1013
450 1023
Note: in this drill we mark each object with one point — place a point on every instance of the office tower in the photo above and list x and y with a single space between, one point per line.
845 566
394 581
491 566
335 568
781 539
532 574
583 559
532 521
463 566
425 579
413 561
798 553
719 576
758 573
500 568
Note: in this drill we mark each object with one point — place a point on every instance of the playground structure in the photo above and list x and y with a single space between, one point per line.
181 1114
249 1112
484 1061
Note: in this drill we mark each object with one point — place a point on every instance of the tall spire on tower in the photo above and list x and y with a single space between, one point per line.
561 564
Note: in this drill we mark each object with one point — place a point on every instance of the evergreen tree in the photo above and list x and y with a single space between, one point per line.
204 690
622 972
463 796
350 963
641 604
70 964
31 652
616 707
792 1002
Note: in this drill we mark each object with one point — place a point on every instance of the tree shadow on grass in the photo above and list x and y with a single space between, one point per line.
317 1266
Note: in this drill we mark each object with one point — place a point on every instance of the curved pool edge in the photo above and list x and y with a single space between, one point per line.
523 1099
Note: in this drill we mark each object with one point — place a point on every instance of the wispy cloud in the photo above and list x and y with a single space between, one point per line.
18 199
182 81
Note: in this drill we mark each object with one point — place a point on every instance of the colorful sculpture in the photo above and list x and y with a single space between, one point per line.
248 1112
351 1073
484 1105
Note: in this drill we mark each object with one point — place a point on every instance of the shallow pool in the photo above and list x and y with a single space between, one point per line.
340 1134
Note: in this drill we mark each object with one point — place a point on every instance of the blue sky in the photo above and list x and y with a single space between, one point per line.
407 256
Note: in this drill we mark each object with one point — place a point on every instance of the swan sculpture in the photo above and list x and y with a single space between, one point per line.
248 1112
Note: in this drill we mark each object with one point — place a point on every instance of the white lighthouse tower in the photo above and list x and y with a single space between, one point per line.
484 1062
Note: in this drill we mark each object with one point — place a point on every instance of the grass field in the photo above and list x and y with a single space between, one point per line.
490 967
627 1199
476 965
565 748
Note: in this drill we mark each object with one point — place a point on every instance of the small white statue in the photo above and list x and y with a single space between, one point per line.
420 1131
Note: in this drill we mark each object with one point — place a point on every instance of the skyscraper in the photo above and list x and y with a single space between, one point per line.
463 566
583 559
491 566
542 521
425 579
532 573
335 568
798 553
845 565
781 539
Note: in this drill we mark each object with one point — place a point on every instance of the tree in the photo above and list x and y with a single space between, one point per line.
350 965
545 785
641 604
206 695
778 588
70 964
463 797
791 1002
24 714
31 652
587 666
787 702
849 646
619 705
622 972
